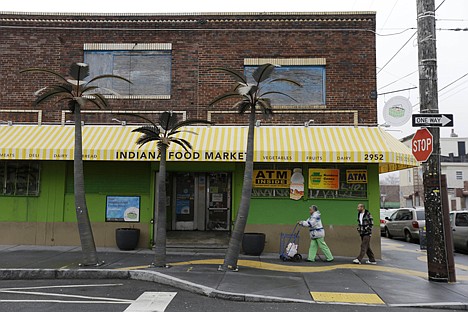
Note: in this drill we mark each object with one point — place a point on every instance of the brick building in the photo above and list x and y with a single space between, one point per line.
170 60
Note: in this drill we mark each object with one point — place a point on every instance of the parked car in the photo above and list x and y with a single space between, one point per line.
384 213
405 223
459 225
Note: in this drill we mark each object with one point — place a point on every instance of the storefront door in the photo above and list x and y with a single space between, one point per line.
218 201
184 201
201 201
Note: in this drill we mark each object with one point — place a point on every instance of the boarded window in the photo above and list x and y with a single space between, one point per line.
311 77
149 71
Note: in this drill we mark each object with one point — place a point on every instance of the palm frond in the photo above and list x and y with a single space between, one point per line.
146 139
286 80
239 77
149 131
141 117
191 122
108 76
263 72
244 106
44 70
52 93
277 92
168 120
265 106
181 142
224 97
99 100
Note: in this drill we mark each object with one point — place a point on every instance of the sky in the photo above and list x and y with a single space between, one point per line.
397 51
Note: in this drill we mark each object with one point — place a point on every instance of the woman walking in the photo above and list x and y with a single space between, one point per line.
317 234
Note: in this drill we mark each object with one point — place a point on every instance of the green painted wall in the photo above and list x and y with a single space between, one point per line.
110 178
334 211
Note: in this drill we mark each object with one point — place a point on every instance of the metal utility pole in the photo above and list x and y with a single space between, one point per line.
436 232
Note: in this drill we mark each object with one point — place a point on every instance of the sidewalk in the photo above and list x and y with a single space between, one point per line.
399 279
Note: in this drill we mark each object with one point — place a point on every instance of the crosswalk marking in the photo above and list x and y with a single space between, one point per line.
151 301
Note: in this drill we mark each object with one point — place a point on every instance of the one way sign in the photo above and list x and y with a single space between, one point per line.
432 120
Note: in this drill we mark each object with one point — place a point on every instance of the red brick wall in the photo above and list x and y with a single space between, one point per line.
199 42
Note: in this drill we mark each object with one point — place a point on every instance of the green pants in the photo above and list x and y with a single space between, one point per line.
314 245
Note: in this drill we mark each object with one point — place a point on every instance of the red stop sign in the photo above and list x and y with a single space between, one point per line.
422 145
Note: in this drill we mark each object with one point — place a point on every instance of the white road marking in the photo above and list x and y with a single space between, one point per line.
63 295
63 301
26 291
152 302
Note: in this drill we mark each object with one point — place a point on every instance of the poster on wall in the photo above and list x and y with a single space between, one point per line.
123 208
324 179
296 188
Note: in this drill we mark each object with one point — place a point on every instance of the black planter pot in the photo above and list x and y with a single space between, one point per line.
253 243
127 238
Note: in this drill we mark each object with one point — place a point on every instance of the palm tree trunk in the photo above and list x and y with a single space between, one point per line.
233 251
160 213
84 225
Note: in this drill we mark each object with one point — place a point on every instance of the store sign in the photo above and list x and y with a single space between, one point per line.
356 176
324 179
271 178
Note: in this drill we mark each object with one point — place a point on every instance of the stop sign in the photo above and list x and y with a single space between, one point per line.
422 145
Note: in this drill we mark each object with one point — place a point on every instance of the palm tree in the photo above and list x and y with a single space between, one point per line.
77 92
251 97
164 135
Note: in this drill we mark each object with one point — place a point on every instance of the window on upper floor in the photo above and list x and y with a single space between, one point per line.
19 178
309 72
146 65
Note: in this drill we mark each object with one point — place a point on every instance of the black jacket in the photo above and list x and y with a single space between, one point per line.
367 223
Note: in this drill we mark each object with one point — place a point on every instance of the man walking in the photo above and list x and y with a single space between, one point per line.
365 224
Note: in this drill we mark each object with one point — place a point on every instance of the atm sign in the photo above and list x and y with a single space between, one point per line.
272 178
356 176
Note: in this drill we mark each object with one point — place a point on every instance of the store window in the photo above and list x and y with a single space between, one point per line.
309 72
147 66
19 178
324 182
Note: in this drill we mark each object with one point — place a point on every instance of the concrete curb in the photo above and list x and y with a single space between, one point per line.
142 275
157 277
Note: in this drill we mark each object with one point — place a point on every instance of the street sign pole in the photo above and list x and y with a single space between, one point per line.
437 255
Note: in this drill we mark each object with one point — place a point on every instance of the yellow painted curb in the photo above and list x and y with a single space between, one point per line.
346 297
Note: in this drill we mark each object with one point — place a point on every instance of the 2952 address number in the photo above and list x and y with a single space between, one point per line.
373 157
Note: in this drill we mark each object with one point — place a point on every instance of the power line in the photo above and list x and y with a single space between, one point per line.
463 76
397 52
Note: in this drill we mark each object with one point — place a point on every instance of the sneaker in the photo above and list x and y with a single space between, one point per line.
371 262
356 261
329 260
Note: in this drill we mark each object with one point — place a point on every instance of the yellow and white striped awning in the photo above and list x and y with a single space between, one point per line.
215 143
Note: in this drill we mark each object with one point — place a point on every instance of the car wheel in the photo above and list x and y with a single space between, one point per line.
408 237
387 233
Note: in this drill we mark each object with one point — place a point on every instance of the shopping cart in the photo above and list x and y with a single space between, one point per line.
289 245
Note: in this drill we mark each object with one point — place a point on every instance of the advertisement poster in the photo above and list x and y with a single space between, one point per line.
183 206
324 179
296 188
123 208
